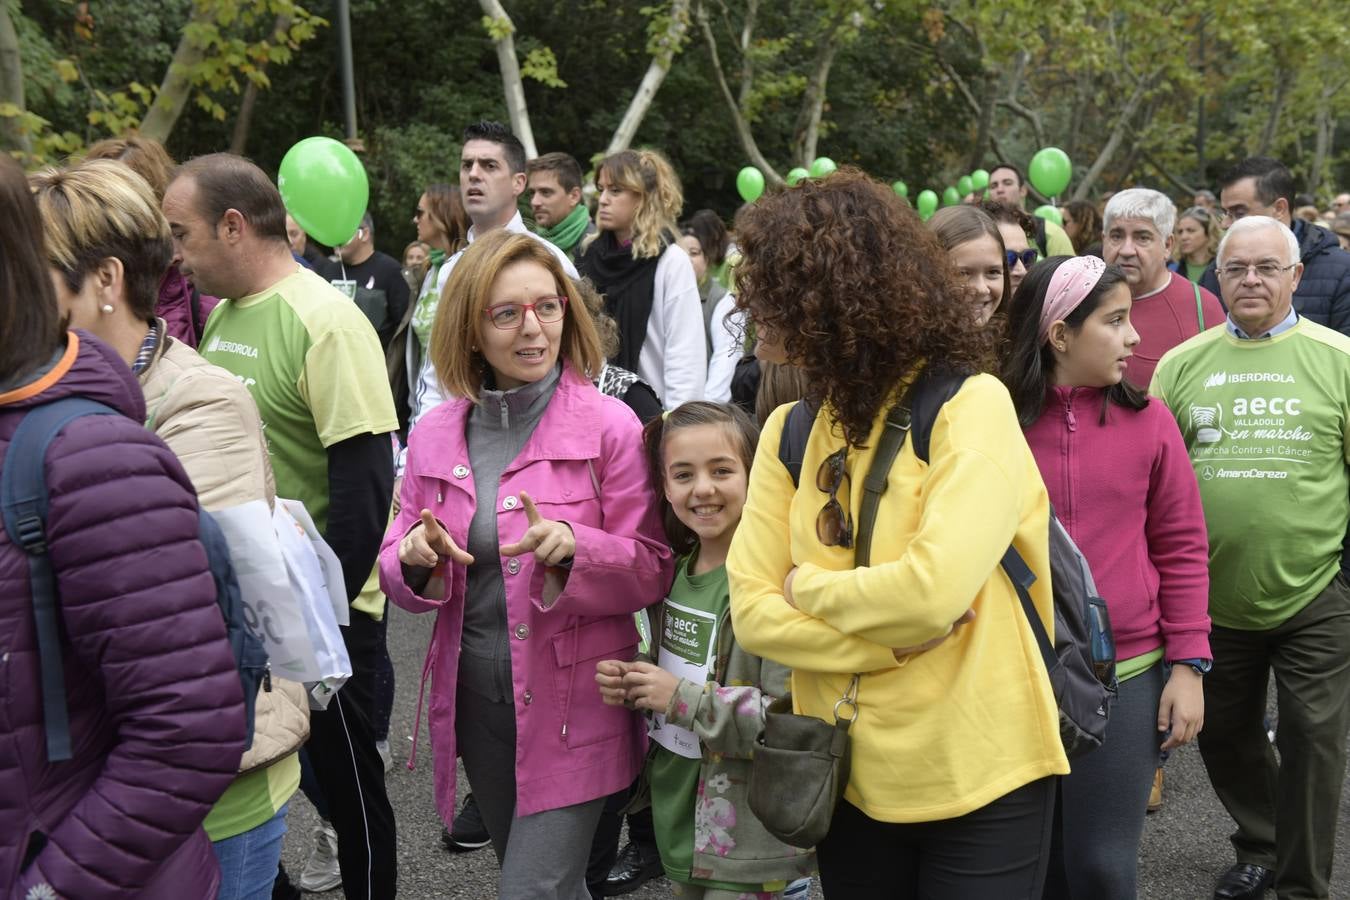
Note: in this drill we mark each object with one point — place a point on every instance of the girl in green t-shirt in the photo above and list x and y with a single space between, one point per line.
705 693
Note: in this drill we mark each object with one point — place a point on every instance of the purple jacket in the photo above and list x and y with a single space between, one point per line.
175 306
156 714
583 465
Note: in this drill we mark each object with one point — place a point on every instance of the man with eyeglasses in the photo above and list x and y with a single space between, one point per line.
1261 186
1264 406
1168 308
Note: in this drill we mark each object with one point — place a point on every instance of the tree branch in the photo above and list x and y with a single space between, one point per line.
173 92
13 132
743 132
1114 141
666 47
512 84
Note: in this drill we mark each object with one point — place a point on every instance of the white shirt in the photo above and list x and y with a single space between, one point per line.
728 337
673 359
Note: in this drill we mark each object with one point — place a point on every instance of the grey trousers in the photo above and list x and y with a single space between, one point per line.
1099 819
543 856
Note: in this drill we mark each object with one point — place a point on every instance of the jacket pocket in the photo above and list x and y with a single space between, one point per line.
576 650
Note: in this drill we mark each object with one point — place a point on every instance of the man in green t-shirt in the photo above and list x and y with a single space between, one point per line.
1006 186
313 364
1264 405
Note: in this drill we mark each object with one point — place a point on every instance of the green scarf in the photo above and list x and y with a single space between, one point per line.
567 233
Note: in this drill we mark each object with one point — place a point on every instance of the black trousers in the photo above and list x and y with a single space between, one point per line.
350 772
605 845
997 852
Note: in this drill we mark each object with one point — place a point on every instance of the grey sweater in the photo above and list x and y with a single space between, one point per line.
497 430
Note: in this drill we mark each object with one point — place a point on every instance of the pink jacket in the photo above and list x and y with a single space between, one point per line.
584 465
1127 494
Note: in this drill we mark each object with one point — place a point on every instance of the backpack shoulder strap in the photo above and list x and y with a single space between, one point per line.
23 496
929 394
195 312
1199 308
1022 578
792 442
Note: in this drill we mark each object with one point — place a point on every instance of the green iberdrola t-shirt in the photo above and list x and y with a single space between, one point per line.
1267 424
314 366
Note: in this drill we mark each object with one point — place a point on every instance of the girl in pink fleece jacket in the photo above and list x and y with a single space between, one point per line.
1121 482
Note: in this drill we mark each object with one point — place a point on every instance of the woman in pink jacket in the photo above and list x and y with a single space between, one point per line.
1121 481
529 524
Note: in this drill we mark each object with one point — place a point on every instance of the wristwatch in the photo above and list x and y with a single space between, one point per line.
1201 666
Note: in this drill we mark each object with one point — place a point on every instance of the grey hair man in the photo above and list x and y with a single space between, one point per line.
1168 309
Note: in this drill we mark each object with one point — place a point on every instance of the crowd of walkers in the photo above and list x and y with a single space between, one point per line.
662 485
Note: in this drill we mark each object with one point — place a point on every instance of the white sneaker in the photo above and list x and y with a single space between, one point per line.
321 869
382 747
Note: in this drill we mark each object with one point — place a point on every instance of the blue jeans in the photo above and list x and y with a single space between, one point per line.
248 861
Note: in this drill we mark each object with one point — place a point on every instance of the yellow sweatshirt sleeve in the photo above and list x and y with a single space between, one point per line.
758 562
972 504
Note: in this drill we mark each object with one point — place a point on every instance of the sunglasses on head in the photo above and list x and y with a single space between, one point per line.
1028 257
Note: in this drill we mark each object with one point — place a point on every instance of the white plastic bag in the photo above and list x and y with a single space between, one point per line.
312 590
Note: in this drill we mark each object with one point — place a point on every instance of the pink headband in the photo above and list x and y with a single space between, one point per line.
1069 286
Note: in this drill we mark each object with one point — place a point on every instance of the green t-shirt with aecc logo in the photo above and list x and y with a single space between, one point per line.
1267 425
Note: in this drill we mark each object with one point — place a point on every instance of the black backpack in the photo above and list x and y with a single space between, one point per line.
1081 661
23 496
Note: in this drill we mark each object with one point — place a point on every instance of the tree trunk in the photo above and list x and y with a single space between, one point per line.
743 132
13 132
807 132
667 46
1326 132
176 87
984 118
1112 143
511 81
243 122
1283 81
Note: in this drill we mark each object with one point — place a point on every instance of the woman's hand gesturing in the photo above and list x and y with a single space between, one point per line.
552 542
428 544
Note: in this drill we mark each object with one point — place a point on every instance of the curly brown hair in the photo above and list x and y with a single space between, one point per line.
859 289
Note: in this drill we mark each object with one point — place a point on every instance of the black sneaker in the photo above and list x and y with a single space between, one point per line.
468 831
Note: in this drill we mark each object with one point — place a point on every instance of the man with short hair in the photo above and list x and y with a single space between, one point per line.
1007 187
314 367
491 179
1205 199
1264 406
555 200
1168 308
1341 203
1261 186
374 280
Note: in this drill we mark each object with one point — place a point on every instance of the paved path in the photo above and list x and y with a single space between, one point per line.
1185 845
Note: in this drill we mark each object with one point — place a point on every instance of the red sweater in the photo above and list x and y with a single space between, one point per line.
1127 494
1164 320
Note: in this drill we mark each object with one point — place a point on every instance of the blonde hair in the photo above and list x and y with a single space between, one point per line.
453 350
101 209
660 198
1209 223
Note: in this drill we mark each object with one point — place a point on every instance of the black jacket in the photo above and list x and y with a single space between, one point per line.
1323 296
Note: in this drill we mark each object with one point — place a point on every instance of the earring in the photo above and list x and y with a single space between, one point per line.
107 307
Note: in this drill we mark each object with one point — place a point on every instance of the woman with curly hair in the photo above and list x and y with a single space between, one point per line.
646 277
956 735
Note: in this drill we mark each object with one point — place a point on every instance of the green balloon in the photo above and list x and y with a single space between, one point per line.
901 189
979 180
1050 214
926 204
1050 171
964 185
796 175
750 184
950 197
325 189
822 166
